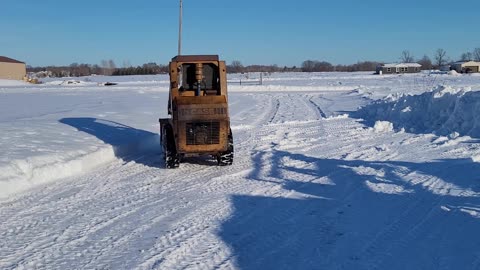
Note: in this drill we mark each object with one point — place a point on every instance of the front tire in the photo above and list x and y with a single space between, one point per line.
226 158
170 155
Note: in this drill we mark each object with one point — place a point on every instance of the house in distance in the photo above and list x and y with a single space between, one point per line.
466 67
12 69
398 68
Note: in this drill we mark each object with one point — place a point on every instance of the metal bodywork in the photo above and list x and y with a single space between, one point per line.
198 105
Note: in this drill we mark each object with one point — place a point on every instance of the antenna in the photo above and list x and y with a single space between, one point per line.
180 29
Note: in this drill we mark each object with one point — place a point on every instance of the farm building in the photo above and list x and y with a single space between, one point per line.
466 66
398 68
12 69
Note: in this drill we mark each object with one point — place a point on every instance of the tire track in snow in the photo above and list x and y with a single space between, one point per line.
112 195
191 236
274 112
317 107
400 232
188 231
191 200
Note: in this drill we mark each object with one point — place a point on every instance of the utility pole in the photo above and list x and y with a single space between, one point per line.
180 29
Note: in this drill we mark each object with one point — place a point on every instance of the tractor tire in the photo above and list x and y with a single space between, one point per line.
226 158
170 155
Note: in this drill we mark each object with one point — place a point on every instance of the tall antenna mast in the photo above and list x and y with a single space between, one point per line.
180 29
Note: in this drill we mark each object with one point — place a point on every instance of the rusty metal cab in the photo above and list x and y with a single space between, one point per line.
198 105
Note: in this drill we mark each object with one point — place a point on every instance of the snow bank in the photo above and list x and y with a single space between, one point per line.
110 141
453 72
4 82
21 175
443 111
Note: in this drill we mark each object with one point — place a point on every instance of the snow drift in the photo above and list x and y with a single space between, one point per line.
118 142
442 111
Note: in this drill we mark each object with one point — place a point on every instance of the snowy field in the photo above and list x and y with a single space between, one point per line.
331 171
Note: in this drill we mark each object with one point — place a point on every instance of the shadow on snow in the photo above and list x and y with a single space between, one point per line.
128 143
344 214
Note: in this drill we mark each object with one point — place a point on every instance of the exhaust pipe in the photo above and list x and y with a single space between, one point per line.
198 78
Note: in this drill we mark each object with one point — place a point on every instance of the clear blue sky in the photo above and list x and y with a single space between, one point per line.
60 32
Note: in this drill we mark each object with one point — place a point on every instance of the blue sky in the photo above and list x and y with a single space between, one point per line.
59 32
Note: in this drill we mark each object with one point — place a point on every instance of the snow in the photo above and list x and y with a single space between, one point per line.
453 73
383 126
4 82
442 111
331 171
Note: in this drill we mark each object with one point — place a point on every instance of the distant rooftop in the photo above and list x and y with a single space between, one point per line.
395 65
463 62
5 59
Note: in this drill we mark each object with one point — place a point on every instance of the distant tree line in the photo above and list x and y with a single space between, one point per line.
73 70
323 66
307 66
108 67
237 67
145 69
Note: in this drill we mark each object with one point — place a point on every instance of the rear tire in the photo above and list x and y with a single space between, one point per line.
226 158
170 155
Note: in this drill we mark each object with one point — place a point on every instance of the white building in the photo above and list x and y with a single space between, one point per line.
398 68
466 67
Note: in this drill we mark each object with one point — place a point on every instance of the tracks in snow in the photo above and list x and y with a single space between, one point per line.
287 201
95 218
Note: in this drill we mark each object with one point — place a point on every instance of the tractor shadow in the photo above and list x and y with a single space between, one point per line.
128 143
344 214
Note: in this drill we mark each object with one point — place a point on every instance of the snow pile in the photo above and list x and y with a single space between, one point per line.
476 158
383 126
442 111
48 136
20 175
453 72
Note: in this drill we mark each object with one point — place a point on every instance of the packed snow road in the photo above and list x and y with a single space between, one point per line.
310 188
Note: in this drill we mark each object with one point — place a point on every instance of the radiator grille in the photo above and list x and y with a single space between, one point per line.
201 133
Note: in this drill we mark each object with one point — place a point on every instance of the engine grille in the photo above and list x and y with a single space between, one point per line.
201 133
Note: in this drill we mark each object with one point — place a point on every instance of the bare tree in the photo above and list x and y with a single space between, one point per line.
476 54
111 64
466 56
308 66
425 62
126 64
235 67
440 57
323 66
407 57
104 65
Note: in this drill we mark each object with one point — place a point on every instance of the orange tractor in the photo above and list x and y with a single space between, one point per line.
198 105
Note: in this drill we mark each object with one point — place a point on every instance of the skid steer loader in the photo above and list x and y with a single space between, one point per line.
198 105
